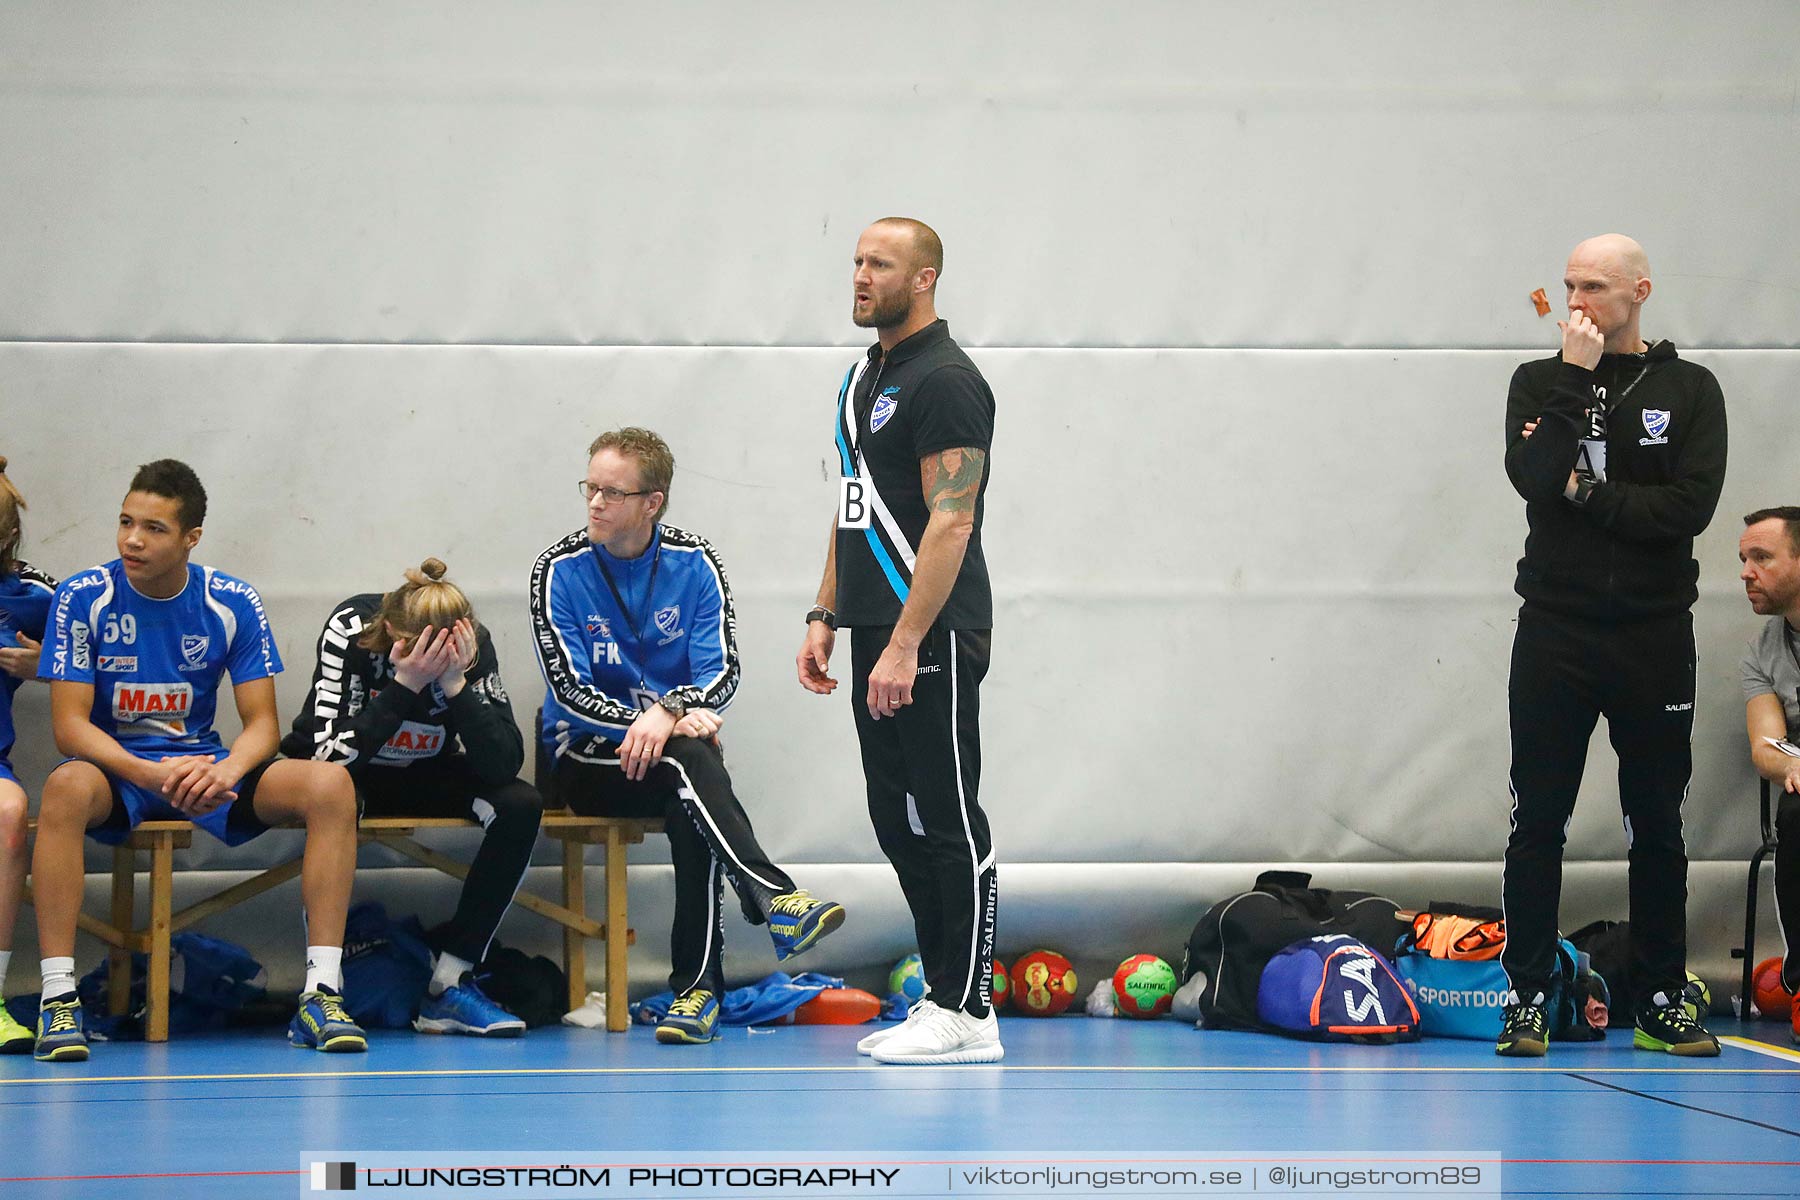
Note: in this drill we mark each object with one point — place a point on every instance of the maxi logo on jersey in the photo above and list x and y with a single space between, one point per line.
893 553
144 709
412 741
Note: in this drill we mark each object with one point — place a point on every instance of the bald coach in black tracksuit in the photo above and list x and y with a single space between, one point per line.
1621 466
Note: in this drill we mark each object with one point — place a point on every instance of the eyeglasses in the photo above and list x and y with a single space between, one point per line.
608 495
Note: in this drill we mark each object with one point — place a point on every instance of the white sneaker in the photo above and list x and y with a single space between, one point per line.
943 1035
868 1044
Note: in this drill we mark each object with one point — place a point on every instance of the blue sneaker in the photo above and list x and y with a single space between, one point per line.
798 919
60 1037
692 1018
322 1024
465 1008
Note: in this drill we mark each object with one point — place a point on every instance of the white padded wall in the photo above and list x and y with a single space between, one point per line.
1248 283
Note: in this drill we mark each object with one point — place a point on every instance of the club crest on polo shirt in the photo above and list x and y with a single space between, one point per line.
885 404
1656 424
598 626
668 620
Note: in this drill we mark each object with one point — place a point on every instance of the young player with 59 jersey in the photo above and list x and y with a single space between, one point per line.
135 651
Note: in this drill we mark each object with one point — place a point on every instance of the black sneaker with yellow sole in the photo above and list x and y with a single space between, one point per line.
1673 1030
1524 1032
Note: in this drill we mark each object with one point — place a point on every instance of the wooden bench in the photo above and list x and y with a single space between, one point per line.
163 838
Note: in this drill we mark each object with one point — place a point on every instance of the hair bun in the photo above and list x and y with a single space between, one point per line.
433 567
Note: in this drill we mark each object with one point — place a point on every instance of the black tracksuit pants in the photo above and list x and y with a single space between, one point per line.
1566 673
509 813
710 841
923 768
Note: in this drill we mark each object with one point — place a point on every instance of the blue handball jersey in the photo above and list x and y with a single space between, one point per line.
156 664
24 603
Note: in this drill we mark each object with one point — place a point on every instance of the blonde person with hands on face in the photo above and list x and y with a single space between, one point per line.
24 603
407 697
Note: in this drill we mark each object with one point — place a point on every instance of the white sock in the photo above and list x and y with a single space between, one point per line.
324 968
59 976
5 960
448 973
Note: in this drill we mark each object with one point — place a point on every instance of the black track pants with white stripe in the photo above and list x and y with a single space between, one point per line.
710 842
923 768
1566 673
509 814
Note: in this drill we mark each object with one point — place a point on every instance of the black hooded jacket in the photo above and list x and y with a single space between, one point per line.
1627 553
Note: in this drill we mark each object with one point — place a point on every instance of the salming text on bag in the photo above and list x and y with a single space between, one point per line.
1335 989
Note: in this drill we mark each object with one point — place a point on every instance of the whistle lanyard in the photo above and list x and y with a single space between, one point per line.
1645 370
635 625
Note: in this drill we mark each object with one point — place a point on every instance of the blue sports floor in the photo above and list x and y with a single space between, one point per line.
228 1115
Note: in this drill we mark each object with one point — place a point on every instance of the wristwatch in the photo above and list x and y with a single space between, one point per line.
672 703
819 612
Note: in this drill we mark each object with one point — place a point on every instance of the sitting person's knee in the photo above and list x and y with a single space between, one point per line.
686 750
13 821
69 796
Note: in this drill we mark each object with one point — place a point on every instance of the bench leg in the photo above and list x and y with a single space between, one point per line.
574 899
618 934
162 882
118 958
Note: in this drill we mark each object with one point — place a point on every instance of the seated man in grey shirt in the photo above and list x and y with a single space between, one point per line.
1770 551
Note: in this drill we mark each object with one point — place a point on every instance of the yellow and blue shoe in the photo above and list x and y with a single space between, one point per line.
323 1024
60 1036
693 1018
14 1037
798 919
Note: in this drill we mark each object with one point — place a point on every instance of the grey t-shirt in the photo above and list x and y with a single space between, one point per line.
1770 668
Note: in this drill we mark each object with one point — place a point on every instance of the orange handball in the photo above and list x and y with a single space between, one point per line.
1043 984
1771 999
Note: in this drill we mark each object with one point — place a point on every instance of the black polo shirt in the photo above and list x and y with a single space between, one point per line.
924 397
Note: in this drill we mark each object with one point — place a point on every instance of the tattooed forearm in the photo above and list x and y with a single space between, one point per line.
952 479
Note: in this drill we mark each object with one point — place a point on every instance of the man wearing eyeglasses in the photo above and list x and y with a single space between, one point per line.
1770 552
906 573
637 640
1617 446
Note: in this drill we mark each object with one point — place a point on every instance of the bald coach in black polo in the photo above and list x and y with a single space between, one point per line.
905 571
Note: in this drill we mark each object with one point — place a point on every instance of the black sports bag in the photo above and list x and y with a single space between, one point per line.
1240 934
